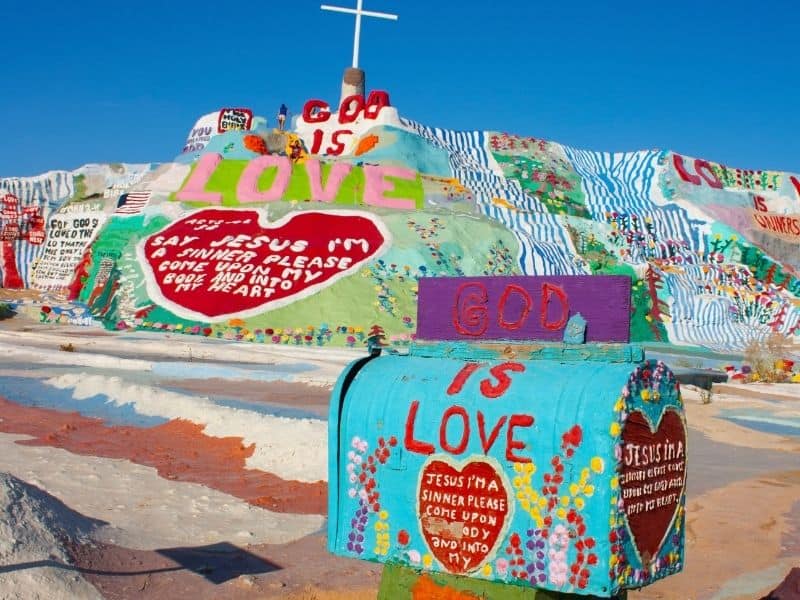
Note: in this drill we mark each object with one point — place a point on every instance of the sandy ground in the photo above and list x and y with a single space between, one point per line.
172 524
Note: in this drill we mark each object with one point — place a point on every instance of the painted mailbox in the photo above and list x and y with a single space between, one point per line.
554 466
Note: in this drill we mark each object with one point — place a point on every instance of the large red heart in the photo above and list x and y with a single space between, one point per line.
217 263
653 478
463 511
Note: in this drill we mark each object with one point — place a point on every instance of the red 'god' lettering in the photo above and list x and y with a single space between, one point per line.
350 109
471 310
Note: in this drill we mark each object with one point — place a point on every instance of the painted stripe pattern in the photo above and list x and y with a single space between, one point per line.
545 245
52 188
704 319
622 182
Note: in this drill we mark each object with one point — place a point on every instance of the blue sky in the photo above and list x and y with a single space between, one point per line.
94 81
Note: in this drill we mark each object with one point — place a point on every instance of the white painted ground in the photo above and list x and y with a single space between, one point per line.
145 511
114 352
138 508
275 438
31 554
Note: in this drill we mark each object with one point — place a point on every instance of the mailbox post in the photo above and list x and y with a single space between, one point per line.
498 461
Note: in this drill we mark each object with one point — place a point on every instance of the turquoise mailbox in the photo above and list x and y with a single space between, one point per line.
546 465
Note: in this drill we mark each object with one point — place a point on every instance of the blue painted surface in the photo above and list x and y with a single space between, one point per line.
372 428
263 409
764 421
202 370
36 393
401 148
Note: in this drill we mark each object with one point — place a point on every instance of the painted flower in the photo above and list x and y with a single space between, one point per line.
501 566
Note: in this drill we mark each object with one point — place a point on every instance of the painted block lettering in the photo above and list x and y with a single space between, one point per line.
523 308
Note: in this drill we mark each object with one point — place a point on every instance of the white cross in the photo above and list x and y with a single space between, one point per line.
358 12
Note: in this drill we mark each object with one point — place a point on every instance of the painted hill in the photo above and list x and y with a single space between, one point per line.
318 235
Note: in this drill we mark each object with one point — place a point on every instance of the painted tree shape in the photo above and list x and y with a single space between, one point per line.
780 317
15 224
770 276
81 276
376 337
658 308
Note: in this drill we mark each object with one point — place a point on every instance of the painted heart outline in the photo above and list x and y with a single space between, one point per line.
676 417
458 468
211 306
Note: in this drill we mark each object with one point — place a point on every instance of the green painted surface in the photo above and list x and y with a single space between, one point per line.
398 583
225 179
382 292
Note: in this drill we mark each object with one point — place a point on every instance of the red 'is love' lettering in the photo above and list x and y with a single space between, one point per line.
510 422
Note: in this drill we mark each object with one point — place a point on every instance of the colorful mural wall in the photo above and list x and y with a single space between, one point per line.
319 233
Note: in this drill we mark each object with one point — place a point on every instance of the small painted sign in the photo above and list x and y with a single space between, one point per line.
653 478
231 119
524 308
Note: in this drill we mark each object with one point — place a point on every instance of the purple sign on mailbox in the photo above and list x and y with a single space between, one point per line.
524 308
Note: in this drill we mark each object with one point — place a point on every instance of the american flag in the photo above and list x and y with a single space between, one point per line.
132 203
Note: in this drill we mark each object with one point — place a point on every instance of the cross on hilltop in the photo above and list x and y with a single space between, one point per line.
359 12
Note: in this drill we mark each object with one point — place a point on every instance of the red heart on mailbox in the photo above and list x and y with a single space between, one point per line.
653 478
464 511
217 263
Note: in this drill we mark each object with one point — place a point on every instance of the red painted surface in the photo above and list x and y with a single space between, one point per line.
234 119
677 159
178 450
461 378
415 444
470 315
796 184
350 109
653 477
487 443
548 291
500 372
526 307
411 443
462 443
703 168
513 444
760 204
462 538
223 262
11 277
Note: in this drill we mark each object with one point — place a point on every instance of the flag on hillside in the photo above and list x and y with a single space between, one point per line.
132 203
